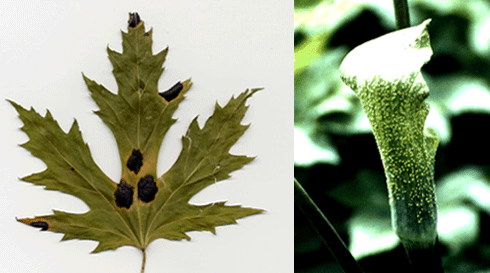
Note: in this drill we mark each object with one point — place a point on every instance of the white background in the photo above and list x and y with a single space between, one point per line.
225 47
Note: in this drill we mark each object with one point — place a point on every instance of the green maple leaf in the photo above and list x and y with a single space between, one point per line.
141 207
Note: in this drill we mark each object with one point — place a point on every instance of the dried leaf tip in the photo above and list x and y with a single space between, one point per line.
254 90
389 57
35 222
134 20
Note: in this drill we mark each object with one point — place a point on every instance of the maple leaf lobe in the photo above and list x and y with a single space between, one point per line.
135 161
173 92
41 224
124 195
147 189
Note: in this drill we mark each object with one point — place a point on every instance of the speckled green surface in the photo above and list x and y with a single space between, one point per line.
393 96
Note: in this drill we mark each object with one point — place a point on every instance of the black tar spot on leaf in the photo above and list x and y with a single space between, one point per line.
41 224
147 189
124 195
173 92
135 161
134 19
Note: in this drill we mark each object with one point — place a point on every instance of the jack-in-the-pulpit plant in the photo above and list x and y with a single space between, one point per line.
385 75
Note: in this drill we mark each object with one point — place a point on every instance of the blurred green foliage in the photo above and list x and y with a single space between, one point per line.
336 158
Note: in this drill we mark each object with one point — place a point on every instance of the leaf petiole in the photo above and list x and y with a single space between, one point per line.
144 262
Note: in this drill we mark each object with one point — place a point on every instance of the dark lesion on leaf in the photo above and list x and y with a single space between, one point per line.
40 224
124 195
173 92
135 161
134 19
147 189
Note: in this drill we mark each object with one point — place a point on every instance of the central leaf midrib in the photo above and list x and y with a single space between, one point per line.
138 132
138 112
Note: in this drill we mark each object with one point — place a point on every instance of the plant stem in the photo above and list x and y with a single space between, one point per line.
144 262
325 229
424 260
401 14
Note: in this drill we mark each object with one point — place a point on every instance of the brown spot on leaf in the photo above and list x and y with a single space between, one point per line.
147 189
41 224
135 161
124 195
173 92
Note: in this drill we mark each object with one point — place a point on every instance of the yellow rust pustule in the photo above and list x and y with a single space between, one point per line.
385 75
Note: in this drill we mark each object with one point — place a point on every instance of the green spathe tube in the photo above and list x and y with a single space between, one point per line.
385 75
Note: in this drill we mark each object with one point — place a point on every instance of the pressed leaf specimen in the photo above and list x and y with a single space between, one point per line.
142 206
